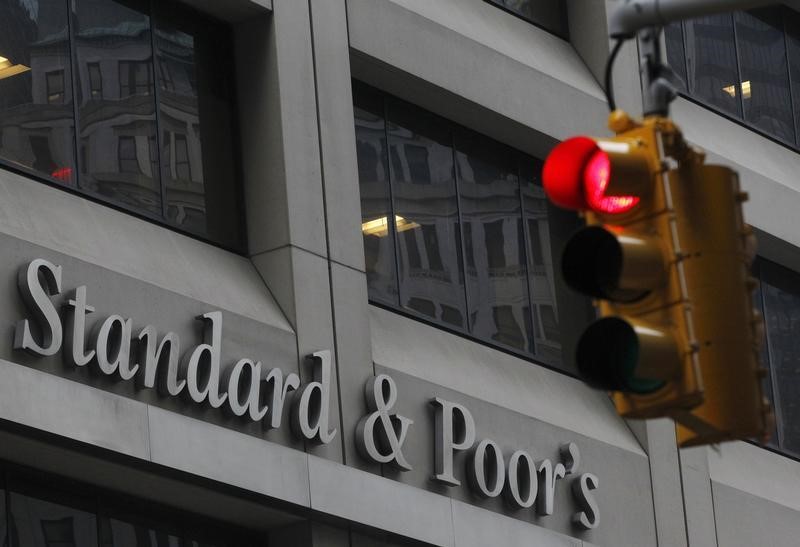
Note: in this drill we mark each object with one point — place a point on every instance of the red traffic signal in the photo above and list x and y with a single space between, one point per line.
583 174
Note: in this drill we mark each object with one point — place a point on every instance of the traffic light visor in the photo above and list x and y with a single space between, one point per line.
577 175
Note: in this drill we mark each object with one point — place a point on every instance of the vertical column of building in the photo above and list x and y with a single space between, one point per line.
283 184
342 213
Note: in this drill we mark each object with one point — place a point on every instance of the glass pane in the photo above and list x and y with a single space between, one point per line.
781 292
36 113
117 118
551 14
426 209
676 52
758 304
193 70
711 62
765 75
373 176
542 275
119 533
497 278
792 27
39 523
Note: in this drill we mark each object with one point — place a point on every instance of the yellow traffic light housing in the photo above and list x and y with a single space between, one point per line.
658 237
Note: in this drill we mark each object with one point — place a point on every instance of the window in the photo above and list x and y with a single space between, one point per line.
55 87
457 229
38 510
550 15
122 105
128 162
95 80
135 78
778 298
745 65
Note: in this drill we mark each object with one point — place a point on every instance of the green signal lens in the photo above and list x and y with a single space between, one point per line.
608 355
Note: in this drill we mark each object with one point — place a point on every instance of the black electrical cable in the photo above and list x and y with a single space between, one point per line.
612 104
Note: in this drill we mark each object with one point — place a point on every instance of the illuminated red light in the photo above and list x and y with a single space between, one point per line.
576 176
596 177
64 174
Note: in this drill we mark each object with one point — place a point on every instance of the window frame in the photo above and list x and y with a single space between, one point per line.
80 154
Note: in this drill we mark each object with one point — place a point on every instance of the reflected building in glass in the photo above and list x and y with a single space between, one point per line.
471 224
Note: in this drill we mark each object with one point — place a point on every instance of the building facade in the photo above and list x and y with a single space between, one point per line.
282 272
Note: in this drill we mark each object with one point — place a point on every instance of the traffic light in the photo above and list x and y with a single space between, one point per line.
663 232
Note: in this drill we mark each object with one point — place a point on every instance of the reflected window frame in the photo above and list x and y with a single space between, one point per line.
407 243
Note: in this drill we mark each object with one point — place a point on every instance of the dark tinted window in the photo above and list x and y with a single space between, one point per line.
376 210
497 281
549 14
780 293
469 222
711 62
424 190
154 107
764 72
746 65
36 112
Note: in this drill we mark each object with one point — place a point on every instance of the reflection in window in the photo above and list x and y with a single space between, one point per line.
95 80
472 228
55 87
711 59
118 34
36 522
135 78
36 114
115 81
764 72
376 210
745 64
780 293
195 85
424 191
497 280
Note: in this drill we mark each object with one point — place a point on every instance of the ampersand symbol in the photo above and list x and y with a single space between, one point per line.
382 444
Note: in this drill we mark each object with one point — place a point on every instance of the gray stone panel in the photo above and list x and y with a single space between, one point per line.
281 154
697 497
745 520
380 503
662 450
777 478
337 141
354 351
624 494
216 453
476 528
36 399
526 75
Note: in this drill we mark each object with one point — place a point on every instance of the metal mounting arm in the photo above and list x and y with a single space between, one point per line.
633 15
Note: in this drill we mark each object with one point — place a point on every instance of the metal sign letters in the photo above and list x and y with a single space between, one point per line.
247 391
